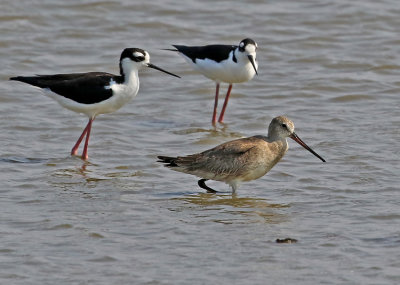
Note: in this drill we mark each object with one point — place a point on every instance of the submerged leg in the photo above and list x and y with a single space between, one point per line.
74 150
234 187
202 184
221 116
85 148
214 117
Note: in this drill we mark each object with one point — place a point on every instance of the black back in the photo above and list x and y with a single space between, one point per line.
216 53
84 88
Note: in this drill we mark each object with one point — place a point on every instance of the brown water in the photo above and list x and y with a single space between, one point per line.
333 67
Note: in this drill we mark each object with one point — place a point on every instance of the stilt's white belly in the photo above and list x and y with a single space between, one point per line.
224 71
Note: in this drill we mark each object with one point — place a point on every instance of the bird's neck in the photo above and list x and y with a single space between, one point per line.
275 137
280 143
130 77
234 54
240 56
129 72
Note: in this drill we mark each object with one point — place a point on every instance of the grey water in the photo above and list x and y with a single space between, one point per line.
333 67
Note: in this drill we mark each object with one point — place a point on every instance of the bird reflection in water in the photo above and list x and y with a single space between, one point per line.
225 208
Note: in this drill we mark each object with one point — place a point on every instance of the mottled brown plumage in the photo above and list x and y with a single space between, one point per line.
239 160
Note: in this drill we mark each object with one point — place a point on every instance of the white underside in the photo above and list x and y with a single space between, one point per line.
226 71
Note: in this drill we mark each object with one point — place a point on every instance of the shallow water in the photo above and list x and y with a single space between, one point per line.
121 218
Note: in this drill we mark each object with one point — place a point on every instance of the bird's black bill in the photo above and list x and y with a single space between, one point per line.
160 69
252 63
303 144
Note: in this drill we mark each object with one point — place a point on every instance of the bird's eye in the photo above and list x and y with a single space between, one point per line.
140 58
284 126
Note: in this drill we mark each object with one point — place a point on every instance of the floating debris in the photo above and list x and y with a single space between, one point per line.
286 240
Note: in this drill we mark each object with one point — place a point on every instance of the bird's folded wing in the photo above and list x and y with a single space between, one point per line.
227 158
85 88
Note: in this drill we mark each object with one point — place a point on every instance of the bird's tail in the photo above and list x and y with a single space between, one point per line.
32 80
168 160
170 49
19 78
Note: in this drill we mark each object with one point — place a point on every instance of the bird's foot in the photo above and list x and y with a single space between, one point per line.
202 184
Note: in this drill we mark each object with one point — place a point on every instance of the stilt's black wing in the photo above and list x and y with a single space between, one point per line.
216 53
85 88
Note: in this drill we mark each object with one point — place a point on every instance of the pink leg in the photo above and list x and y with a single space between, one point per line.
221 116
74 150
85 148
214 117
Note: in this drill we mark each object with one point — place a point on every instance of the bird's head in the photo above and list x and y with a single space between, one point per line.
248 47
133 59
281 128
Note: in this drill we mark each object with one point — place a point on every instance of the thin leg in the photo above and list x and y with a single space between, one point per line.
74 150
221 116
214 118
202 184
234 187
85 149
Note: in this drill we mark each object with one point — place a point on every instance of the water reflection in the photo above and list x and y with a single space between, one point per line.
228 208
74 173
212 135
73 176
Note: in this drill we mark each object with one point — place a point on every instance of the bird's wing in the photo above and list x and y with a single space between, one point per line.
216 53
85 88
226 159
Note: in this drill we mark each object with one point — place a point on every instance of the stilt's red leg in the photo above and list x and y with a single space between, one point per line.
214 117
85 148
74 150
221 116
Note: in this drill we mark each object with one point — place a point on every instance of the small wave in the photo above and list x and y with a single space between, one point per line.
349 98
14 159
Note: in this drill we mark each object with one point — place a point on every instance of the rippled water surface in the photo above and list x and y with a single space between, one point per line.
333 67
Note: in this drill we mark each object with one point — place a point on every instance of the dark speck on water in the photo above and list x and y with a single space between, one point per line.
286 240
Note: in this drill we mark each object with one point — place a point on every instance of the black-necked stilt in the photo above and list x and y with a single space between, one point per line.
95 93
223 63
239 160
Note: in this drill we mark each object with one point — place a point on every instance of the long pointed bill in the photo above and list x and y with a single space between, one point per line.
252 63
303 144
160 69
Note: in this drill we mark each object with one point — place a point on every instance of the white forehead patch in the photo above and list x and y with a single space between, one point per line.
137 54
251 48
